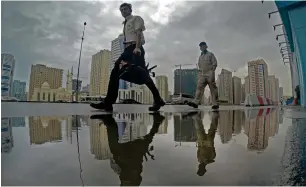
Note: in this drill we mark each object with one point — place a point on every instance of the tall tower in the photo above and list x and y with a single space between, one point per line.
99 74
258 77
225 86
236 90
7 73
162 86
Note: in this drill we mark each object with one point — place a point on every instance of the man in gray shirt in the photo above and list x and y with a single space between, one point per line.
207 65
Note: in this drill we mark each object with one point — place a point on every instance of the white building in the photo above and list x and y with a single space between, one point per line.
258 77
225 88
7 73
273 89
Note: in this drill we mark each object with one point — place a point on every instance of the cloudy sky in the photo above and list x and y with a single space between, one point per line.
50 33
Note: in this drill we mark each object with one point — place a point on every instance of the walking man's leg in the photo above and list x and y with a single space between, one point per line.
214 94
112 91
202 82
158 101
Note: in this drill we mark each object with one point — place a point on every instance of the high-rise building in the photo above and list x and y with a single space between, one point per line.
74 84
273 88
237 90
258 74
247 85
162 86
117 49
7 73
187 83
40 74
147 95
225 88
99 74
242 92
19 90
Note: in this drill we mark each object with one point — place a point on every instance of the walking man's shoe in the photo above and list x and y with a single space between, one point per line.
102 106
192 104
157 105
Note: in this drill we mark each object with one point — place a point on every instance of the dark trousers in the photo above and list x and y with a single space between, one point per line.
129 57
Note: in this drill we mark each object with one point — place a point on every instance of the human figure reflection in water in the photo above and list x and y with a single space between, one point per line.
206 153
129 156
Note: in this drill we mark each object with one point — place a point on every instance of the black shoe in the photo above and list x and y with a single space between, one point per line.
215 107
157 105
192 104
102 106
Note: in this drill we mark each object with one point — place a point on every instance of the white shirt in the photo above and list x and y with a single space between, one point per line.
133 23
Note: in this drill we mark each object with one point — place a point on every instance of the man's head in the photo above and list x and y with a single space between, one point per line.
125 9
203 46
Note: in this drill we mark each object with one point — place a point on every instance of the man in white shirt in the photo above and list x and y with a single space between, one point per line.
207 65
133 54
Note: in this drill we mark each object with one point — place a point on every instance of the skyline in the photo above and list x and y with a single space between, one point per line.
245 43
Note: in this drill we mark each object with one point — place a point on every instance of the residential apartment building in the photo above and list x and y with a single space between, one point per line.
225 89
258 77
162 86
7 73
273 88
99 74
237 97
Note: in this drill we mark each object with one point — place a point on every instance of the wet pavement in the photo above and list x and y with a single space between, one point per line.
231 147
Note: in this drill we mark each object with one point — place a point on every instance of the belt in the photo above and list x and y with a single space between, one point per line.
126 44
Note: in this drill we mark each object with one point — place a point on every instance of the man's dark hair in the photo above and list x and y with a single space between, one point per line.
126 5
202 44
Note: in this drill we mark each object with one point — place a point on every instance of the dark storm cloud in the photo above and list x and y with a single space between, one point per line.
50 33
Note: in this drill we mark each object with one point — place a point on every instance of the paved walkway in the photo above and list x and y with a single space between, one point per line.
14 109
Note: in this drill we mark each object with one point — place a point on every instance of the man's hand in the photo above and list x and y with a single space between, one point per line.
137 51
122 63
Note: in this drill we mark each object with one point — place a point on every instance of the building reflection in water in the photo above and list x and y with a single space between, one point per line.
260 125
18 121
98 140
127 157
131 126
44 129
184 129
226 126
7 141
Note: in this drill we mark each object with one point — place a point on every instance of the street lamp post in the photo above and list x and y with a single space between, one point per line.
180 65
78 74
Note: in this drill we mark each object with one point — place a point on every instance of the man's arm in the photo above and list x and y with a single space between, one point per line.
214 61
139 28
